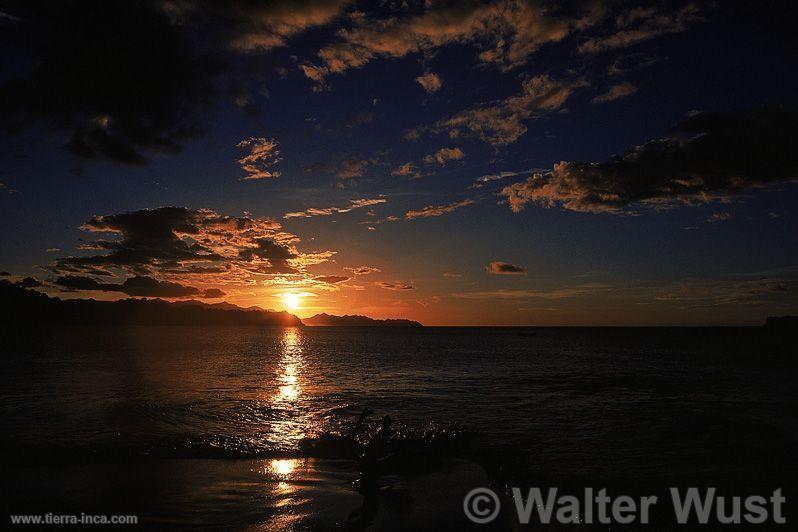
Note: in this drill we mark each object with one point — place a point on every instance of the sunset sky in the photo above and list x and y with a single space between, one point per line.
474 163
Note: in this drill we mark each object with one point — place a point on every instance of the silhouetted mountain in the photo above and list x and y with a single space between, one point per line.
27 309
327 320
224 305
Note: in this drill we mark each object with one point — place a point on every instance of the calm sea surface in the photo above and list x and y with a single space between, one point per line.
565 403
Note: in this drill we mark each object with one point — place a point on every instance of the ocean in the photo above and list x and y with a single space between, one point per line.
635 409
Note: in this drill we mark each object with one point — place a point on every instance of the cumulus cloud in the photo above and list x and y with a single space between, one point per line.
408 169
430 81
713 156
444 155
507 32
504 268
502 123
641 24
263 156
178 245
327 211
437 210
616 92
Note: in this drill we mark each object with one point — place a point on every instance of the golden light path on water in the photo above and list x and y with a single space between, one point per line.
288 398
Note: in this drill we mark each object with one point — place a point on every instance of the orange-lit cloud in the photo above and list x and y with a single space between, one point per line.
408 169
717 155
182 247
616 92
437 210
504 268
363 270
398 286
263 156
444 155
503 123
509 31
430 81
327 211
641 24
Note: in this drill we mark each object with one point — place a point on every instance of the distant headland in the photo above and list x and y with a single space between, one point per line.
25 308
328 320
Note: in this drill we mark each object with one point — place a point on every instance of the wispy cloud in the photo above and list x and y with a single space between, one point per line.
641 24
437 210
396 285
502 123
263 156
444 155
327 211
616 92
408 170
352 167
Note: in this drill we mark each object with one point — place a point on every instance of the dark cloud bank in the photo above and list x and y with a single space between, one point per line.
710 156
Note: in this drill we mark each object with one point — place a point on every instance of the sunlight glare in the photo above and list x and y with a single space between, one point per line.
291 300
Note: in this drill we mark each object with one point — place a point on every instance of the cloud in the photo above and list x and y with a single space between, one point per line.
263 155
616 92
430 81
29 282
507 32
719 217
641 24
352 167
502 123
140 286
263 26
327 211
331 279
444 155
180 245
397 286
437 210
715 156
213 293
127 82
362 270
484 180
408 169
504 268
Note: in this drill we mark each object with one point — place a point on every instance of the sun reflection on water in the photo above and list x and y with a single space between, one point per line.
282 467
289 396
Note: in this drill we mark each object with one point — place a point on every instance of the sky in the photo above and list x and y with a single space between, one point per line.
457 163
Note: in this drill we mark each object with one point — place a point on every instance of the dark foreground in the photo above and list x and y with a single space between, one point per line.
227 427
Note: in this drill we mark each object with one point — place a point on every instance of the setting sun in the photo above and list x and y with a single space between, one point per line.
292 300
